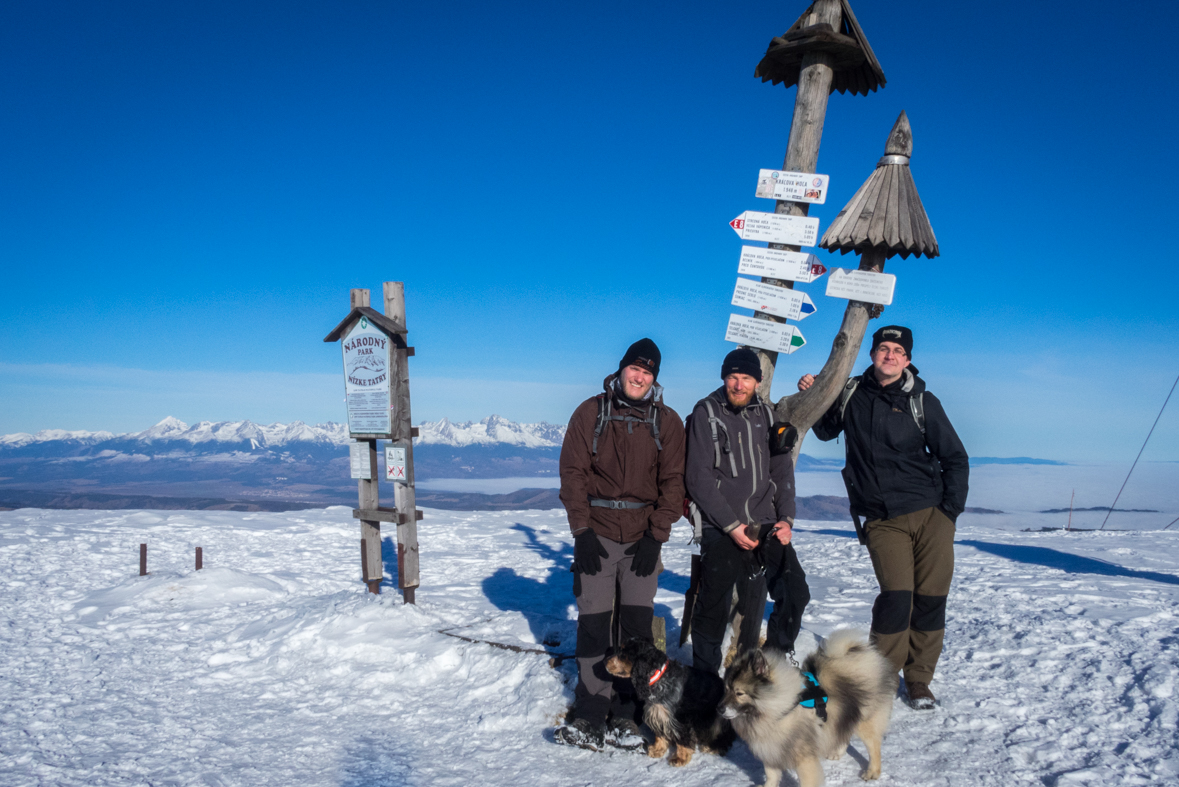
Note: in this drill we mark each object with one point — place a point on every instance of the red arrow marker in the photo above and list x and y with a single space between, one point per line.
737 224
818 269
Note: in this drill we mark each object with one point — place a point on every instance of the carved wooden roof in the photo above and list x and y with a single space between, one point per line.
886 213
855 65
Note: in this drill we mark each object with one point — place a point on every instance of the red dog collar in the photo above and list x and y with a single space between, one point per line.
659 674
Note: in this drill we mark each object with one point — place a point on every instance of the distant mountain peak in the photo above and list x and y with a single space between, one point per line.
492 430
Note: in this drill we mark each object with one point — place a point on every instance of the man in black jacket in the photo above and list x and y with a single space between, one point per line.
906 475
744 488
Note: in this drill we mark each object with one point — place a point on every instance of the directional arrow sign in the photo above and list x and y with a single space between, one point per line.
777 228
779 264
859 285
766 334
794 186
779 301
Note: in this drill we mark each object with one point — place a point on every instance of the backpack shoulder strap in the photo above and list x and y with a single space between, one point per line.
848 390
654 421
713 423
917 407
603 416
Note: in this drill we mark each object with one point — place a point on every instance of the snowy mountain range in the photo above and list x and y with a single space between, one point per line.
242 460
493 430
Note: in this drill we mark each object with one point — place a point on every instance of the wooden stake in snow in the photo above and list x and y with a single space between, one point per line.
376 367
200 562
143 560
824 50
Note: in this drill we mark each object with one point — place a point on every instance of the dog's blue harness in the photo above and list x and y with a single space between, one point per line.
813 696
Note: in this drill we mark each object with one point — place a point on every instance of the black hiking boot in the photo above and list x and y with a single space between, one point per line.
582 734
624 734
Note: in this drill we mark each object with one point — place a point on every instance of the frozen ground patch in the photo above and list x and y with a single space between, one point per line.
272 666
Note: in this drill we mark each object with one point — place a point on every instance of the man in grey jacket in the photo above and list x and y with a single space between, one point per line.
741 477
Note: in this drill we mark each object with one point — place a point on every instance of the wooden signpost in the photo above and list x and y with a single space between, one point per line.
857 285
376 385
764 334
776 228
824 51
796 186
786 265
791 304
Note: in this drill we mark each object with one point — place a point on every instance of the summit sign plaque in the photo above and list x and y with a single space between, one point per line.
367 382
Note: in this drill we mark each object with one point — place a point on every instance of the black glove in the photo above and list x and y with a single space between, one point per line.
646 555
588 552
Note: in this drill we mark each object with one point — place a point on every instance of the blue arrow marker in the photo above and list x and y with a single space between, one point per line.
807 308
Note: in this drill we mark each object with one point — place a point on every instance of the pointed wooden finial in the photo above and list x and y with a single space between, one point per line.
900 139
886 214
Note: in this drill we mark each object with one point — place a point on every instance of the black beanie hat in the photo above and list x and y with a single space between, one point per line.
642 353
894 333
742 361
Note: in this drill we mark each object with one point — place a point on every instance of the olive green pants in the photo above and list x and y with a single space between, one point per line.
913 556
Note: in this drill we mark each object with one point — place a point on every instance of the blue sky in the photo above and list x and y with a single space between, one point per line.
189 191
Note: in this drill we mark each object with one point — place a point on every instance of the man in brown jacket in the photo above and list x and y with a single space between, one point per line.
622 483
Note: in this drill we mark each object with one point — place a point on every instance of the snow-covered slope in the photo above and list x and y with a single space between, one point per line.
273 666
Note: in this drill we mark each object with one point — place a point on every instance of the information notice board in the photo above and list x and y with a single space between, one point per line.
367 380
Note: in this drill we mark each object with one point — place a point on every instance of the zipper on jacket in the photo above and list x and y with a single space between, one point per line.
753 462
741 450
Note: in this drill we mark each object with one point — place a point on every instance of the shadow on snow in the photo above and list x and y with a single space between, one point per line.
543 602
1072 564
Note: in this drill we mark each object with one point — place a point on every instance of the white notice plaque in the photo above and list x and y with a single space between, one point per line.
777 228
358 458
366 379
866 286
794 186
766 334
769 298
780 264
395 464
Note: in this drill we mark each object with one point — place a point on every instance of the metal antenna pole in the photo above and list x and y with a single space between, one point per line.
1140 450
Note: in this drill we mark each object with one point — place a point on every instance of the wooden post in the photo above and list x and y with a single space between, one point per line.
802 151
200 561
143 560
408 578
371 567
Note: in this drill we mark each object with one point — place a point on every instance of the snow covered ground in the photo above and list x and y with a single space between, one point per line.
272 666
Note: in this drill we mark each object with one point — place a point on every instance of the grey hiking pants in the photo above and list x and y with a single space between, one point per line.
596 694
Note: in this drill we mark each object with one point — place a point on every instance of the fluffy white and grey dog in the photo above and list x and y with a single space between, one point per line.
778 710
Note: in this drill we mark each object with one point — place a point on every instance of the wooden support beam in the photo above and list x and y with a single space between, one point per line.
408 577
380 514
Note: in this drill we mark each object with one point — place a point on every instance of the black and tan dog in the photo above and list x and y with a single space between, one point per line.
679 703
